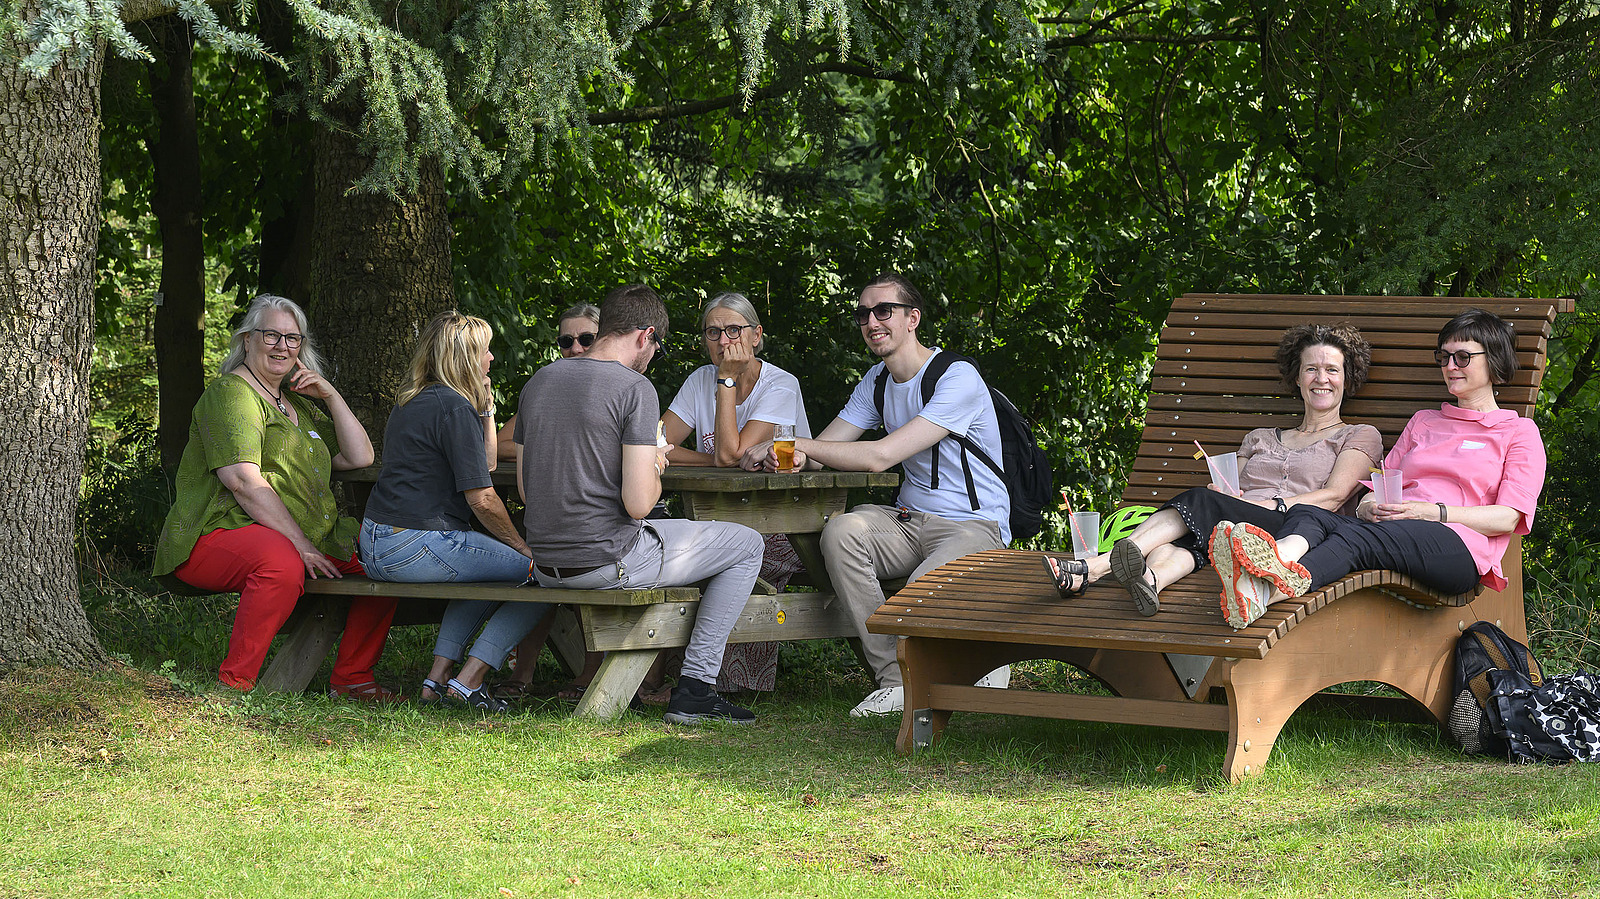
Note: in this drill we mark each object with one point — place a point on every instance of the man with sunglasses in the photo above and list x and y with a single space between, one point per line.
589 454
945 509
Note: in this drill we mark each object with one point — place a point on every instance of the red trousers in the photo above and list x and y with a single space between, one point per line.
262 566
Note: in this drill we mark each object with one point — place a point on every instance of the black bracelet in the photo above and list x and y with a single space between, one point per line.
1443 515
1282 506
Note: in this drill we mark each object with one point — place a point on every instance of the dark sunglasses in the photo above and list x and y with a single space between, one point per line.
1461 358
584 340
881 312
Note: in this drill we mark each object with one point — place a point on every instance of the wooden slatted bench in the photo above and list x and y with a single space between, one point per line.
630 626
1214 380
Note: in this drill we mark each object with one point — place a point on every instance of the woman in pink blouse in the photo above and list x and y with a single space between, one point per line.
1318 465
1472 477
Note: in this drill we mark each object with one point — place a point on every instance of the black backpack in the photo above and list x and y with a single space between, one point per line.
1023 466
1495 680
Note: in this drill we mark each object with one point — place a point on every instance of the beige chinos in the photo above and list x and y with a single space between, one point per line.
872 542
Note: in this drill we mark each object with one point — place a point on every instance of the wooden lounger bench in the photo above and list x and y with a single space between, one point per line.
1214 380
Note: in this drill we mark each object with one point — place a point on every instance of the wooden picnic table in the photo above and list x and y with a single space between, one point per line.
630 626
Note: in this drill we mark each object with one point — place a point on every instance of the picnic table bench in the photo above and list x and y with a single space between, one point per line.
630 626
1214 380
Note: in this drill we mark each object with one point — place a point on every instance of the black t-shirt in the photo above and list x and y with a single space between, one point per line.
433 449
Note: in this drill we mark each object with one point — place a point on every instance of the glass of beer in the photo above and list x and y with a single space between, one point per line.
783 446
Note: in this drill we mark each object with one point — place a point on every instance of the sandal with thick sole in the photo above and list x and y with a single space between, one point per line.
429 685
1071 576
1130 570
572 692
478 699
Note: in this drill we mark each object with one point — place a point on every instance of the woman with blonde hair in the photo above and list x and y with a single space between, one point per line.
439 448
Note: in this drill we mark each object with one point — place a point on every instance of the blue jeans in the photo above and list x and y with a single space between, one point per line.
408 555
671 552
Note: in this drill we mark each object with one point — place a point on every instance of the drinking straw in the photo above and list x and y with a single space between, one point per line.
1203 455
1073 522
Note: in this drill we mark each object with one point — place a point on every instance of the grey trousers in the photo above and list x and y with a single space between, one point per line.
672 552
871 542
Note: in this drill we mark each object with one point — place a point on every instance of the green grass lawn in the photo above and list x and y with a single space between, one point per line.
121 783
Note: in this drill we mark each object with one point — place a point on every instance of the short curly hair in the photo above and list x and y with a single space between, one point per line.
1344 338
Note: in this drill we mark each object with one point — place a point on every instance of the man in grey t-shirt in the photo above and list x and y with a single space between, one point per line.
586 447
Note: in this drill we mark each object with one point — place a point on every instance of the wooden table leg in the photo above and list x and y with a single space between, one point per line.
809 548
306 644
616 683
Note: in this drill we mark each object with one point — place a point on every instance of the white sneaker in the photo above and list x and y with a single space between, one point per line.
1000 678
887 701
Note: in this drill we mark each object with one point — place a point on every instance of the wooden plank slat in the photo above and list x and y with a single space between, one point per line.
352 585
1113 710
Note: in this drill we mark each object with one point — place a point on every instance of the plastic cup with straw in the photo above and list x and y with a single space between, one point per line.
1082 525
1219 467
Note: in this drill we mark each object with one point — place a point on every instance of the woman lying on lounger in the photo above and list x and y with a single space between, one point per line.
1318 464
1472 476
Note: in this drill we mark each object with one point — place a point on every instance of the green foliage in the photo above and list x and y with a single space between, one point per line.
70 32
124 497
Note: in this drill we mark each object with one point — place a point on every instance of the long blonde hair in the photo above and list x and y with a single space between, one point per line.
450 352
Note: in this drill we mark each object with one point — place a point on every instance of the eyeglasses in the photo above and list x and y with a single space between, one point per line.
881 312
584 340
1461 358
733 331
273 338
654 335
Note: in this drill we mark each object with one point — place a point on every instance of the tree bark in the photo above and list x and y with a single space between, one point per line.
50 193
379 271
178 207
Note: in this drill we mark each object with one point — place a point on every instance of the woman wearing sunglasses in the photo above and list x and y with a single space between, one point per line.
1472 477
575 331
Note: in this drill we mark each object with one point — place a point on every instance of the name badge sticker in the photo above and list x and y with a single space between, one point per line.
316 436
1472 445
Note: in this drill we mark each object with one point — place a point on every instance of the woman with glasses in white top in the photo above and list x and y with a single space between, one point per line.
723 409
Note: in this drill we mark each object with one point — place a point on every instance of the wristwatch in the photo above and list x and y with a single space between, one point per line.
1282 507
727 382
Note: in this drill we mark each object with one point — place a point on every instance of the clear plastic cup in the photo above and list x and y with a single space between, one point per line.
1224 469
1085 527
1386 484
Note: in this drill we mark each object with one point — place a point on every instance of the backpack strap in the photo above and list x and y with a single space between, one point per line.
937 366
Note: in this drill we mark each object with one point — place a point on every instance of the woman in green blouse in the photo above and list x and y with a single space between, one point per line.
254 514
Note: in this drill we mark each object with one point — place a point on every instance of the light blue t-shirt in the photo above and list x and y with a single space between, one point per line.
960 405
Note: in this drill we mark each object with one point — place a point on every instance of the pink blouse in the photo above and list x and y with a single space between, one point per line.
1460 457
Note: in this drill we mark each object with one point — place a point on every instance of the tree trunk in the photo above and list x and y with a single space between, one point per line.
178 206
50 190
379 271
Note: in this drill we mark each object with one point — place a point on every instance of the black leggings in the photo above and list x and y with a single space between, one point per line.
1426 550
1201 509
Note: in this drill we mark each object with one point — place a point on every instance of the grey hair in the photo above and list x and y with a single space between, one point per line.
582 310
309 358
737 303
